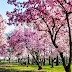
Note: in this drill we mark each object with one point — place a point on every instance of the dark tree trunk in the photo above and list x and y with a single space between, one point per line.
52 63
57 61
28 59
18 60
49 61
37 58
41 62
66 59
67 69
44 62
9 60
39 67
32 61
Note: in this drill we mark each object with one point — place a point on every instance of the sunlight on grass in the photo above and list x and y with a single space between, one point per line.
33 68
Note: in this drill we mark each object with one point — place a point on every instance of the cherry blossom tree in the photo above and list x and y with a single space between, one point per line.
52 16
16 42
2 36
34 44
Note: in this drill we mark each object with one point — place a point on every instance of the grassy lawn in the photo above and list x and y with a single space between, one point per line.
31 68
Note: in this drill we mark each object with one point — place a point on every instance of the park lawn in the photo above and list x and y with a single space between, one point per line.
6 62
32 68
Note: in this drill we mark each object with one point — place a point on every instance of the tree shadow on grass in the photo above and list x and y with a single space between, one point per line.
13 70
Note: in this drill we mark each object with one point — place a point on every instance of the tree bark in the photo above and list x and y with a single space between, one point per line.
66 59
41 62
18 60
49 61
52 63
67 68
44 62
28 59
32 61
37 58
9 60
39 67
57 61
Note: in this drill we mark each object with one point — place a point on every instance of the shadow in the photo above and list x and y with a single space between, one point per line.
13 70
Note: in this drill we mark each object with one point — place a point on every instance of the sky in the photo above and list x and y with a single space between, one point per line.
4 7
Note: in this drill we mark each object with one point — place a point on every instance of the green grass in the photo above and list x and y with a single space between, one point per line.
5 62
31 68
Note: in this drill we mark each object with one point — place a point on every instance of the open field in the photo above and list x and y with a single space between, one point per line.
31 68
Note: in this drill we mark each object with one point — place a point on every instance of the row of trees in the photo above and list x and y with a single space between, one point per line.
30 42
51 22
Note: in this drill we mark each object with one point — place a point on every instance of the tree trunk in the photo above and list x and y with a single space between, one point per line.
28 59
52 63
66 59
9 60
41 62
39 67
18 60
68 69
44 62
37 58
4 59
49 61
32 61
57 61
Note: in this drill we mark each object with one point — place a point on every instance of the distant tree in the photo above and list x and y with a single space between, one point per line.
2 36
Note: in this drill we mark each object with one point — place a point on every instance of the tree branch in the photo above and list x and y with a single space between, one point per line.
41 11
69 12
69 38
57 32
67 3
63 59
61 5
47 26
42 30
53 24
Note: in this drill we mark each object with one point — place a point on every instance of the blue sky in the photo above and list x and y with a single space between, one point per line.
4 7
